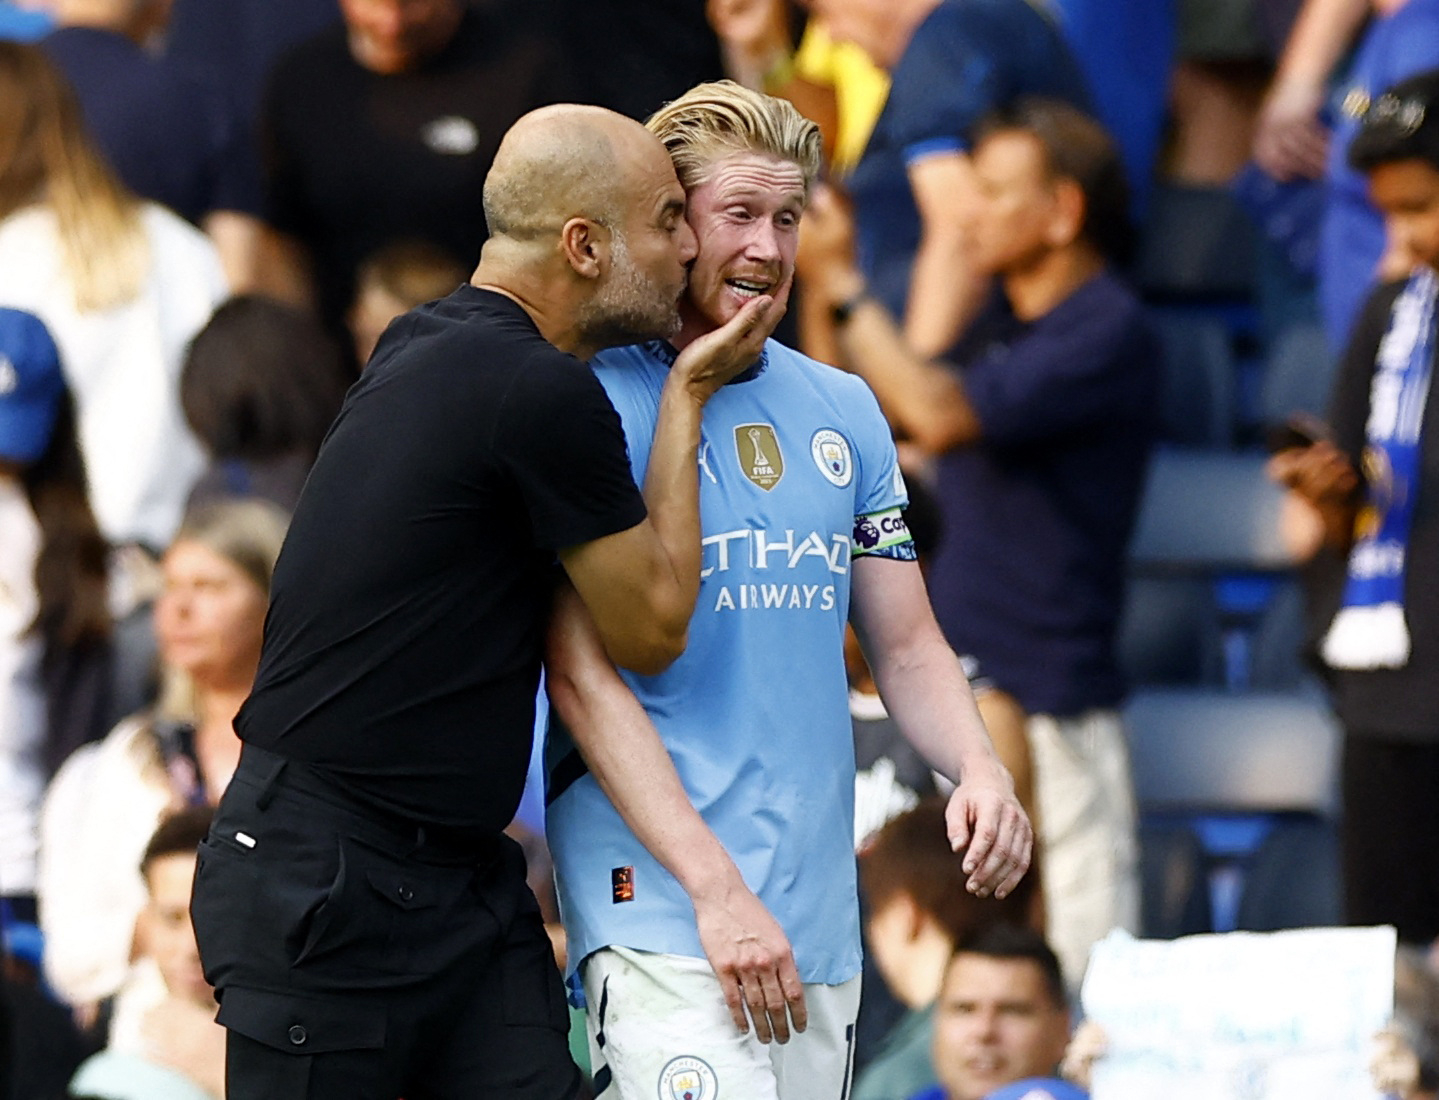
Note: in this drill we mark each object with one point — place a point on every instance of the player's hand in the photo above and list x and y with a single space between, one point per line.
716 357
752 957
986 822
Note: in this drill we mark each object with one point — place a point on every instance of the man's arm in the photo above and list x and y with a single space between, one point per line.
640 585
926 692
1290 142
920 398
945 292
744 944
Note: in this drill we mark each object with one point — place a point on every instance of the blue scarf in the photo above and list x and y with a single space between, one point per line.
1370 630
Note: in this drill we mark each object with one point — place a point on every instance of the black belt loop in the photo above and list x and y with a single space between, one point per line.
268 784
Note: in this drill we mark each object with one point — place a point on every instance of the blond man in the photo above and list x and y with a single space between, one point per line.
701 819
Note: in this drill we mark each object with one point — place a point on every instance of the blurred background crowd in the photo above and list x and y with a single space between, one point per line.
1099 259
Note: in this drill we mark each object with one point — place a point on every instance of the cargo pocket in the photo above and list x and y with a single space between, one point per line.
302 1025
372 915
263 1025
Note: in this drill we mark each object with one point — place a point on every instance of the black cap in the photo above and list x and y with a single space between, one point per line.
1400 124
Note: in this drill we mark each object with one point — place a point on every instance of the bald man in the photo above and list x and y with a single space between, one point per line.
366 925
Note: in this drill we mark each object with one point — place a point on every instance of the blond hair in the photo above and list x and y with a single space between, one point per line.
47 158
721 118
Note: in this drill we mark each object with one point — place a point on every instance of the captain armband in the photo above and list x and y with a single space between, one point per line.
883 535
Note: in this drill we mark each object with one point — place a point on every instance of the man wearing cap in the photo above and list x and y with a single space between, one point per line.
43 626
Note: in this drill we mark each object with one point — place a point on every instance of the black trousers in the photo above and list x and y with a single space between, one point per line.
357 959
1390 836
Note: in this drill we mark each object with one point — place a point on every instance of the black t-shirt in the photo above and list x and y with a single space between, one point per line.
1401 703
355 159
402 648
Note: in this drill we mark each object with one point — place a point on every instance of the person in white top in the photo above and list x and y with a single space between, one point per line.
108 797
123 285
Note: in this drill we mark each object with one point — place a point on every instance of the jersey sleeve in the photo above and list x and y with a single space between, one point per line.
562 443
942 87
880 495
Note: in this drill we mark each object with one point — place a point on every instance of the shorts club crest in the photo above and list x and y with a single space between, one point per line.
688 1078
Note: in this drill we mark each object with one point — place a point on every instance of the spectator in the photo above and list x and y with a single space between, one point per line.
392 281
1401 39
1042 429
170 135
918 910
1001 1019
107 798
950 62
384 127
1373 539
54 621
122 285
181 1052
261 383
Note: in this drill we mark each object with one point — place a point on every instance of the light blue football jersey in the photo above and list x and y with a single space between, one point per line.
797 474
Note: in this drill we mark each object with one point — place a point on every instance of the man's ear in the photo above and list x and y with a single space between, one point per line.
586 245
1067 222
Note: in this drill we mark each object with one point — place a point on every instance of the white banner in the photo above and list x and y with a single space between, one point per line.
1242 1015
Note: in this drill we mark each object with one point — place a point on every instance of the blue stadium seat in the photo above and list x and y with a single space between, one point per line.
1298 375
1198 385
1254 775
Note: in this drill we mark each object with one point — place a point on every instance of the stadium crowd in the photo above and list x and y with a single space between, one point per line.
1062 241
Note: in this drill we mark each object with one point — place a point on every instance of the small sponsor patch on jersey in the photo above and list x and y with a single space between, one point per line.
900 489
688 1078
879 532
831 455
760 460
622 884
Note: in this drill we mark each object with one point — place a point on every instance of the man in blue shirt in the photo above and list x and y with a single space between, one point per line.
1041 425
660 856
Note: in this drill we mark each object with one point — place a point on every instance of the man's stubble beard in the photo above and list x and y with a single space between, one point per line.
630 308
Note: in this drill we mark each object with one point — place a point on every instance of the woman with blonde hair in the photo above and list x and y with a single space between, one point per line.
108 797
122 285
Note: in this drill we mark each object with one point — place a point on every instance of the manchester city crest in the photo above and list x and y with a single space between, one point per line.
831 455
688 1078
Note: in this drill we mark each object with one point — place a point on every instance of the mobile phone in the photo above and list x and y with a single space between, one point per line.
1300 430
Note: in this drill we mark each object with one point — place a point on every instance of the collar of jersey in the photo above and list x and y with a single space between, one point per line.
665 352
